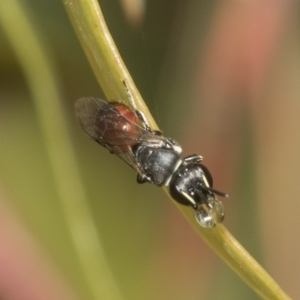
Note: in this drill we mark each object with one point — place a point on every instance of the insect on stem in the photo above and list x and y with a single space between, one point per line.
155 158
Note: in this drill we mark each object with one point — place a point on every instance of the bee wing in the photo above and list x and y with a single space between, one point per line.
108 126
105 124
129 158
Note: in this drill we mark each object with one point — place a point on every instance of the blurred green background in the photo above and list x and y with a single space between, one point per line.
223 80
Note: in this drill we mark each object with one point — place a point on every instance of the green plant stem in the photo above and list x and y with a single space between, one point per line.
41 78
239 260
110 71
103 54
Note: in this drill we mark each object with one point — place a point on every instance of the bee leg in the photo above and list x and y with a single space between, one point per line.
143 119
193 158
143 179
140 115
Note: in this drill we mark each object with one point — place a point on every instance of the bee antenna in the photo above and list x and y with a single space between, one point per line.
221 194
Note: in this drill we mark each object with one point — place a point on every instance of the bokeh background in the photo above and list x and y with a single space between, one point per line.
220 77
